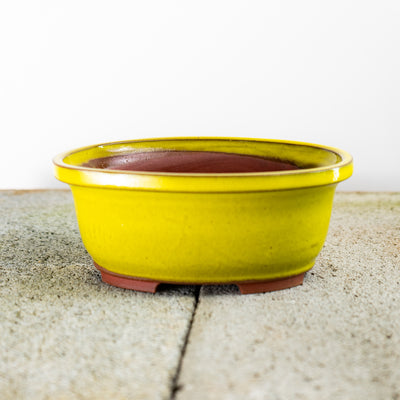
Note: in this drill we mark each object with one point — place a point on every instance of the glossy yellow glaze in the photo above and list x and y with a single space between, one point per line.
206 227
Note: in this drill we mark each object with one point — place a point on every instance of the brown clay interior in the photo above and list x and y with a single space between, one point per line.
190 162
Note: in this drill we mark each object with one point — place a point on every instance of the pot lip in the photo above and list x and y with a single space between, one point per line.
77 175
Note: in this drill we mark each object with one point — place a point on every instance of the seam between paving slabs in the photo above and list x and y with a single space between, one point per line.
175 387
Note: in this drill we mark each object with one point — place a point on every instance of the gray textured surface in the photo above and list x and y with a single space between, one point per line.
63 333
335 337
66 335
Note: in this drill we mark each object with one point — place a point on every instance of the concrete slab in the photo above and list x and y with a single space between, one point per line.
63 333
335 337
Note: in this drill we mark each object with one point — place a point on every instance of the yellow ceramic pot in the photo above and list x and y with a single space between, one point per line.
143 224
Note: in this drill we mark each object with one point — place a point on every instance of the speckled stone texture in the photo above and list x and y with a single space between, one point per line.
63 333
335 337
66 335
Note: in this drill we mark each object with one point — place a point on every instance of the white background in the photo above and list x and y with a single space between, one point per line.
74 73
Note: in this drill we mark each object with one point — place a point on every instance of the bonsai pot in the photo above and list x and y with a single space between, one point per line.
204 210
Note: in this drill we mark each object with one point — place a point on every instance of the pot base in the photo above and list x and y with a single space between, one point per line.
245 287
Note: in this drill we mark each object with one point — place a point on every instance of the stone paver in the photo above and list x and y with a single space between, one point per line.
66 335
335 337
63 333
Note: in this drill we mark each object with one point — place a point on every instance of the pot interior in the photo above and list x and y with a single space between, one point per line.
190 162
203 155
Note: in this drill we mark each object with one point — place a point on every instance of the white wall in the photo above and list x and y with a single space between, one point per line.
73 73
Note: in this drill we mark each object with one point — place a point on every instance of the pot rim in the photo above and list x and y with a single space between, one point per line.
78 175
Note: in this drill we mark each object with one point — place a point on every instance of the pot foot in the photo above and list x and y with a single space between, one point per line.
150 286
270 285
126 282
